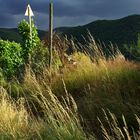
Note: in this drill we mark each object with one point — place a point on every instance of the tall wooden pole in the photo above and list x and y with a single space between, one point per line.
29 13
30 23
50 34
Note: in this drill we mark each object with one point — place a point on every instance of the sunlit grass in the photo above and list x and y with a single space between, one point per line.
60 121
70 103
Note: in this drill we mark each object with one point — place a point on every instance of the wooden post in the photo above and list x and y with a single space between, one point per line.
29 13
50 34
30 23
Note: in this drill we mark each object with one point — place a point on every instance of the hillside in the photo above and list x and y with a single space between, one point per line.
10 34
13 35
118 31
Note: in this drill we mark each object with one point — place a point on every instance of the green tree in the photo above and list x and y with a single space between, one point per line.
29 41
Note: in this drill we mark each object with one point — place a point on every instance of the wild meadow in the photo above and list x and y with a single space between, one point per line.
89 94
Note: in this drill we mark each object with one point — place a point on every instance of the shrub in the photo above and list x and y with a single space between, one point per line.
39 58
10 57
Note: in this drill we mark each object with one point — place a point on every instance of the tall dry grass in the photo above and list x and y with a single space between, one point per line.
68 103
19 119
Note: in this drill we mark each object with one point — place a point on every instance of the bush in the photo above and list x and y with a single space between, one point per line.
10 57
39 58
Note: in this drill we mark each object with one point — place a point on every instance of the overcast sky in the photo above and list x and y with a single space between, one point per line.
66 12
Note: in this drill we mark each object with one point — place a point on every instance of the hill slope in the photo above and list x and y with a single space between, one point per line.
10 34
118 31
13 35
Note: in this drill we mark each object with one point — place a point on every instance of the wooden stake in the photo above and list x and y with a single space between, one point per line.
30 23
50 34
29 13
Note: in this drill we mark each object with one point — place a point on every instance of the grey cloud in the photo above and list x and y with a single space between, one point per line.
66 12
6 20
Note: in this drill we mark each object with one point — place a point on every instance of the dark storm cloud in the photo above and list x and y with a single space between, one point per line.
67 12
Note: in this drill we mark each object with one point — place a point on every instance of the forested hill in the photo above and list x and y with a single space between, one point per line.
13 35
118 31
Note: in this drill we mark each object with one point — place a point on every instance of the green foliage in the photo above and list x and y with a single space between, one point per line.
133 50
30 41
10 57
13 55
40 58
